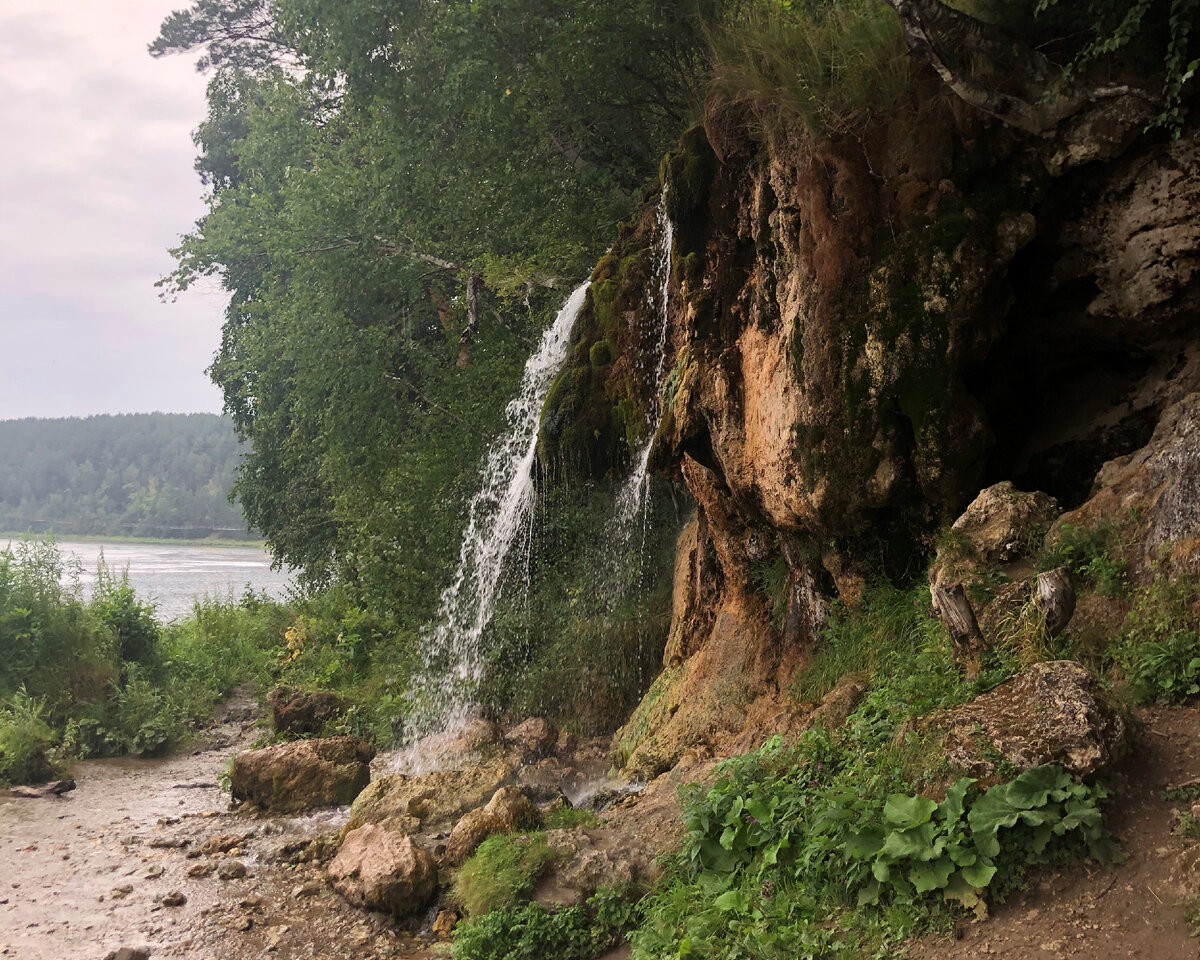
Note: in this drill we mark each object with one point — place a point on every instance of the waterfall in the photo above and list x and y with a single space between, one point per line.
451 646
633 500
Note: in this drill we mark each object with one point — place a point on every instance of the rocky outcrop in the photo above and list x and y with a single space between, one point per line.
304 774
590 859
434 801
508 811
863 333
1051 713
1153 495
534 738
384 870
1001 525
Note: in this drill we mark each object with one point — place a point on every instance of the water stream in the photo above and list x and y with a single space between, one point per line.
498 514
633 500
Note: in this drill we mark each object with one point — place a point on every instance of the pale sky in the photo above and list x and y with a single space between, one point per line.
96 182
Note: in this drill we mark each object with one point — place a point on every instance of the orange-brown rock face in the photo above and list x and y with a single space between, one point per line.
864 333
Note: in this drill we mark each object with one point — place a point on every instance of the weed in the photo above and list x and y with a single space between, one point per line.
565 817
1093 553
1159 646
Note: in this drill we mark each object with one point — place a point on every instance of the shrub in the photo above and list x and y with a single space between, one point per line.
1159 646
26 740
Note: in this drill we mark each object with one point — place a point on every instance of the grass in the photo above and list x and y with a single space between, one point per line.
832 64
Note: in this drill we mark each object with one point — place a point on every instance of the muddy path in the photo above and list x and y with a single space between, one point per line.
97 868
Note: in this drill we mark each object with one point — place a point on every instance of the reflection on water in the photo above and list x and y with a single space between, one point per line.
173 574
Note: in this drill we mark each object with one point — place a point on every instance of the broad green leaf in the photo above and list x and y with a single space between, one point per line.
931 876
904 812
979 874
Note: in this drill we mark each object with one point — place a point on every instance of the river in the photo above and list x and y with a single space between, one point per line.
172 575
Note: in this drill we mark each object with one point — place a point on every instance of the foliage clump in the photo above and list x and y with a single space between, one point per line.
501 873
535 932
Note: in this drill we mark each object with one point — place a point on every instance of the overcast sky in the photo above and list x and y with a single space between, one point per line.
96 182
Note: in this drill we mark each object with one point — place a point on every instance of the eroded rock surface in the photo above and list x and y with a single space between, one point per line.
433 801
384 870
303 712
289 777
1052 712
508 811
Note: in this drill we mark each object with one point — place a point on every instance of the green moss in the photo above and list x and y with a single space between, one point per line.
650 713
501 873
686 174
600 355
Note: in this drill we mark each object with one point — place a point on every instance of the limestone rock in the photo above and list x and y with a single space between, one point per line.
443 926
384 870
302 711
231 870
433 801
593 858
534 738
837 705
1153 494
1050 713
509 810
304 774
1000 525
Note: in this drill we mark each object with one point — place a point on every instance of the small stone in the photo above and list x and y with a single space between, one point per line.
129 953
242 923
200 869
231 870
309 888
174 898
250 903
445 923
154 871
121 892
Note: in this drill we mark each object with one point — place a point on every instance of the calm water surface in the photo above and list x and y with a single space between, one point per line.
174 574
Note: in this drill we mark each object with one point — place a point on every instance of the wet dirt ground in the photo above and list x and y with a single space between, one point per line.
96 869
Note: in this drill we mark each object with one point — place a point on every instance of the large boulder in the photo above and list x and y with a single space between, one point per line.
431 802
302 711
383 870
509 810
289 777
1050 713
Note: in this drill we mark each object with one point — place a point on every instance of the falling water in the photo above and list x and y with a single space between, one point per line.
633 500
452 652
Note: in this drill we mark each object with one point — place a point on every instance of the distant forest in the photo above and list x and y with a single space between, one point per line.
137 475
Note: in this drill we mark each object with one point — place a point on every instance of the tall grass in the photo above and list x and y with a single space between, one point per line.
832 63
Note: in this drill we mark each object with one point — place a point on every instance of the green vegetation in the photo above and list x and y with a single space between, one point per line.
1158 649
534 932
833 64
140 475
824 849
501 873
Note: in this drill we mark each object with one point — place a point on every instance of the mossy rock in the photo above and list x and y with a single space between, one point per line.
686 174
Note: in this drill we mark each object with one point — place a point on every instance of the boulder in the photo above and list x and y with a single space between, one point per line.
1001 525
432 801
302 711
589 859
508 811
383 870
534 738
289 777
1050 713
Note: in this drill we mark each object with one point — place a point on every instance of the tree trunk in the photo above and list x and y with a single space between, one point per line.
955 611
1054 597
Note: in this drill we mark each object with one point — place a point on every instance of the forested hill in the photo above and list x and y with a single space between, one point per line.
144 475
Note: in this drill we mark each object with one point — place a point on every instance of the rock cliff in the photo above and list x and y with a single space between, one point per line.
864 331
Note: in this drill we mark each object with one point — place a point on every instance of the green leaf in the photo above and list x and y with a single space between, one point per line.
1032 788
980 874
916 844
868 894
931 876
732 901
865 844
904 812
